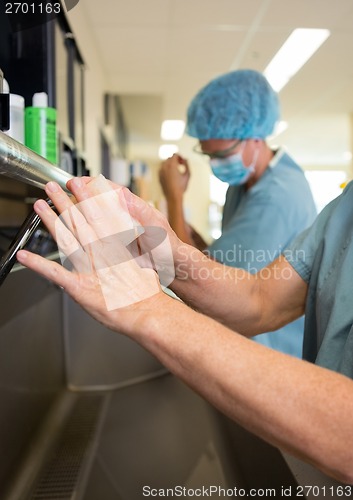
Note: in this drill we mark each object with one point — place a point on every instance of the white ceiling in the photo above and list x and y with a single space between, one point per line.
158 53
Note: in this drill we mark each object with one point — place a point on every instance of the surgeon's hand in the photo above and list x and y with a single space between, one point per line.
174 176
110 275
154 222
155 225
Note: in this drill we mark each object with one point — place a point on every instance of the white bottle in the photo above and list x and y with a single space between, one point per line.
17 117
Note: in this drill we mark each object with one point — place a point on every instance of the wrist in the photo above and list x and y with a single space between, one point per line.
151 318
189 263
174 199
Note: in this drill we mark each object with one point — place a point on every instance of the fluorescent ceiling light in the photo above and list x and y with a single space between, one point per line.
167 150
294 53
172 130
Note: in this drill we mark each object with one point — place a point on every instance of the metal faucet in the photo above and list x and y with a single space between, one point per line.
22 237
24 165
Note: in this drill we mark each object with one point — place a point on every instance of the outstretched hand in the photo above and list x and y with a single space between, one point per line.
113 259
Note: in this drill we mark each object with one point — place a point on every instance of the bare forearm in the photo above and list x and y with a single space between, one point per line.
247 303
226 294
177 221
292 404
304 409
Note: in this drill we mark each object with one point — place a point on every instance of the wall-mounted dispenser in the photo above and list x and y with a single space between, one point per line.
17 115
40 127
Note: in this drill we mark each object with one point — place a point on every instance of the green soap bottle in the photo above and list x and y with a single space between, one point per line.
40 128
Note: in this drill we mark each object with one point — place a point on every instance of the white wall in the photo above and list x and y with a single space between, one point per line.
95 85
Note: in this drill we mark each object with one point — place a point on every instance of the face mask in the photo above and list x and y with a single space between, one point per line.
232 169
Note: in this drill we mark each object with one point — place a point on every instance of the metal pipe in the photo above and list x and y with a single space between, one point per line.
22 164
24 234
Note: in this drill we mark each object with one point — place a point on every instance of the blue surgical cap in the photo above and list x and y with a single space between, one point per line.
238 105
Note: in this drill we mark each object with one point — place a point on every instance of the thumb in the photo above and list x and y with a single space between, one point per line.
144 213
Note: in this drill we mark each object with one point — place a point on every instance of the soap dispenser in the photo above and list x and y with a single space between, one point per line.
40 127
17 119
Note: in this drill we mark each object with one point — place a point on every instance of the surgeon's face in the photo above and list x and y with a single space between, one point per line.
220 148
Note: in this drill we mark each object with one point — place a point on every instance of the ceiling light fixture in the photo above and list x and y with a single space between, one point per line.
167 150
294 53
172 130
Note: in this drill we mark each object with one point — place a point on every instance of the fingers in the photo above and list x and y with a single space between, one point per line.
48 269
187 168
139 209
85 217
101 223
68 244
61 234
181 159
58 196
176 162
91 234
72 217
85 237
105 209
183 166
100 211
181 169
60 199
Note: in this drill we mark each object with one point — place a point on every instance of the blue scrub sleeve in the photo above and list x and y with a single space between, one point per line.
300 254
255 236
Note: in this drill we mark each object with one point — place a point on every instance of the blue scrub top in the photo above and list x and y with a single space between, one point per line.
259 223
323 257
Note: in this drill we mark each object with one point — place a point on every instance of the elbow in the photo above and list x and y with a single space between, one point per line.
342 472
345 476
